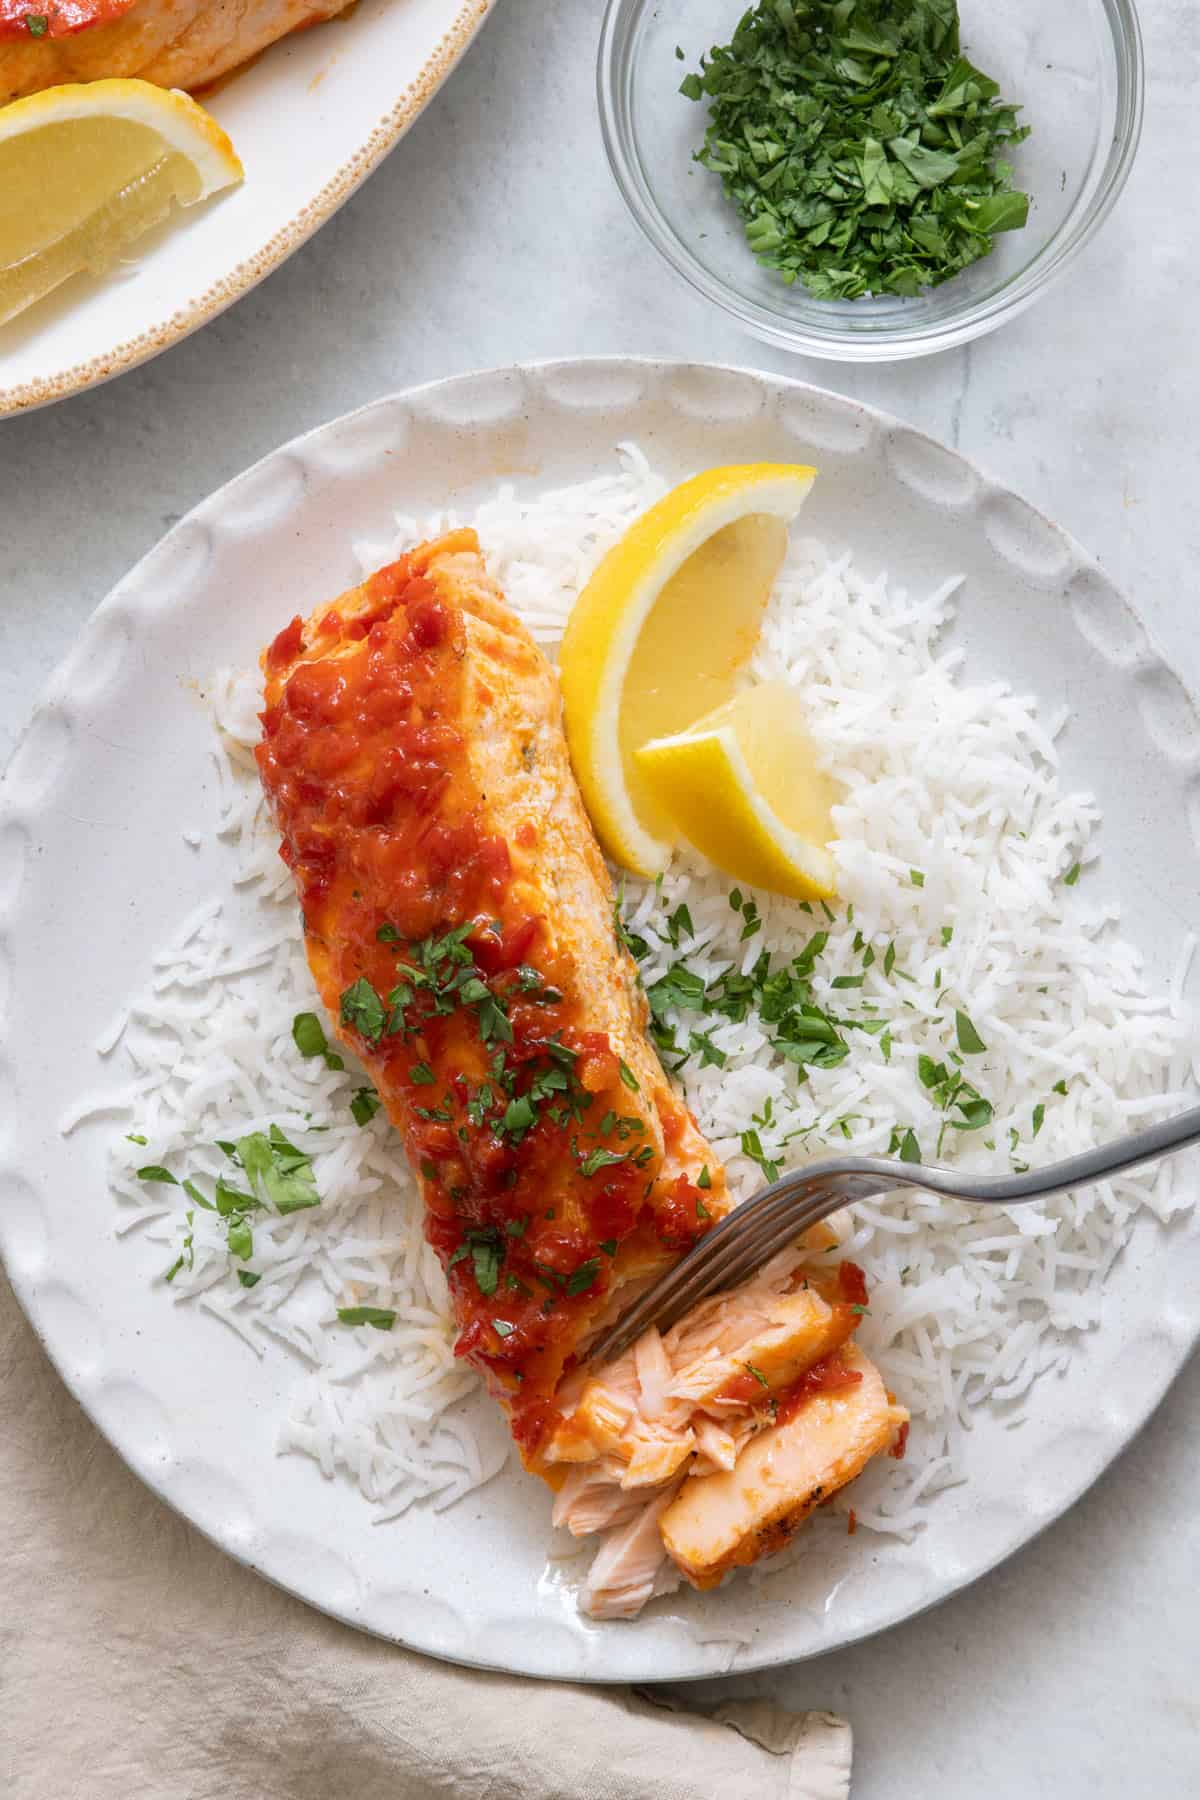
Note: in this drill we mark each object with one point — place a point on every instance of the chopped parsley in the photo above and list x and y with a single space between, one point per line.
757 1374
519 1117
862 151
310 1039
1071 876
485 1247
904 1144
700 1044
156 1172
583 1276
752 1147
631 941
969 1040
751 921
598 1159
186 1254
953 1093
276 1170
364 1104
680 989
363 1010
230 1201
240 1238
679 925
381 1317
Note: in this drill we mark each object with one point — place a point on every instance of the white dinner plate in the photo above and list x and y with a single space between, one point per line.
94 873
310 118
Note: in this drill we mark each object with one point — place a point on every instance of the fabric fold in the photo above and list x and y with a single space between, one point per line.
137 1659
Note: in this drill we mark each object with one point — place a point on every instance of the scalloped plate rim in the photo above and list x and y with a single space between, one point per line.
1109 1442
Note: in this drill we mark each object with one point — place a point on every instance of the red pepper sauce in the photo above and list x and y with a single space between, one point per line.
829 1376
34 19
538 1164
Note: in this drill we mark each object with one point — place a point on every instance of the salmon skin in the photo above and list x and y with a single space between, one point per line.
459 923
173 43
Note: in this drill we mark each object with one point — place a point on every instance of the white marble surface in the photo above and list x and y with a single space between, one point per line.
494 233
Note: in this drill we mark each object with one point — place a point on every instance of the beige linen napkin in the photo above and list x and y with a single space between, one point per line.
139 1663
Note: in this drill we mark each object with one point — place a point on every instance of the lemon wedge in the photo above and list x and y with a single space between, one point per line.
86 169
659 634
743 786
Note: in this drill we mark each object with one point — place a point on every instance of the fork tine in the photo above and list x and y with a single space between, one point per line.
750 1250
706 1262
720 1256
776 1236
723 1259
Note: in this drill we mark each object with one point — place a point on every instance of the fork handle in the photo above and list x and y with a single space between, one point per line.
747 1237
1106 1160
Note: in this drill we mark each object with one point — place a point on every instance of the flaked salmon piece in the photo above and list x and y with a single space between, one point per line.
621 1423
656 1459
716 1444
654 1374
720 1522
730 1354
628 1564
754 1343
592 1499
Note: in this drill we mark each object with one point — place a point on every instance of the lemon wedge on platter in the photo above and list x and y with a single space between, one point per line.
744 788
88 168
660 633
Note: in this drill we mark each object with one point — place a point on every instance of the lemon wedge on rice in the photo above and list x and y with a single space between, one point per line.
87 169
744 788
659 634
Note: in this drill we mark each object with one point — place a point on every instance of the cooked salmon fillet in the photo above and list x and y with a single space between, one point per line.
175 43
459 923
732 1517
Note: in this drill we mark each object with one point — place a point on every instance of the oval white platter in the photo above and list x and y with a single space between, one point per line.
310 118
94 873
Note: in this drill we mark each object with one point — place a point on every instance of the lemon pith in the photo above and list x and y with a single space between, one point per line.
88 168
743 786
660 633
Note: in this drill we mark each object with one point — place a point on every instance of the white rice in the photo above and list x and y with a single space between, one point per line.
960 783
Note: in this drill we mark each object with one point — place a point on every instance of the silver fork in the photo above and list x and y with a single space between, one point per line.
758 1229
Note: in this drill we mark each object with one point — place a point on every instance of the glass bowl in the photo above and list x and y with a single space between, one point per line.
1075 69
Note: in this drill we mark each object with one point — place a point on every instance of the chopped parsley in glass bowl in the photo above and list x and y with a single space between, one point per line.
848 212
